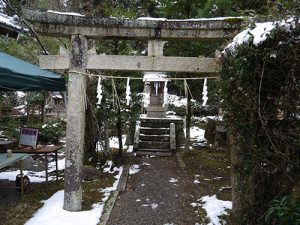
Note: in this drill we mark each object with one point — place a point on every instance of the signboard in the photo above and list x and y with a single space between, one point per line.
28 136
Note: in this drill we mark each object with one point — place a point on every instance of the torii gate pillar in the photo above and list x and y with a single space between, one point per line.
76 124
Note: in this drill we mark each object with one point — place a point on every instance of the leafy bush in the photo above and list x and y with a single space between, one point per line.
52 131
284 211
260 87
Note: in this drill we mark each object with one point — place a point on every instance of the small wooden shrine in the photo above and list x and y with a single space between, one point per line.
156 88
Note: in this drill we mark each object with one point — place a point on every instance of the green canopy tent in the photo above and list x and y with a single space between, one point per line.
18 75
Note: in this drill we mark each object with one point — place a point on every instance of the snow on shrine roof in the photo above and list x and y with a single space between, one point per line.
258 34
154 76
10 22
66 13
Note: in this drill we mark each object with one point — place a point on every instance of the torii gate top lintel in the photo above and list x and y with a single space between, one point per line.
56 24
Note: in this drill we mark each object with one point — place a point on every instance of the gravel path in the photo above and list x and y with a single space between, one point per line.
159 194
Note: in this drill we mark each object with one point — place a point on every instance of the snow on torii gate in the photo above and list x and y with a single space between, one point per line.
79 28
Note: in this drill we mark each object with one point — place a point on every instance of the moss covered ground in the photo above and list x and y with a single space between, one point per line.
211 168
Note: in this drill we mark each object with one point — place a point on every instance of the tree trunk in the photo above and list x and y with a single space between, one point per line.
131 131
90 130
75 124
119 128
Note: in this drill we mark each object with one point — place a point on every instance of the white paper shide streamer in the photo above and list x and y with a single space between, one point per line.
204 93
165 94
128 92
99 91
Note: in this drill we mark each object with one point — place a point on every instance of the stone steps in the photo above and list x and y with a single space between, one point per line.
157 138
146 153
154 145
150 124
154 136
154 131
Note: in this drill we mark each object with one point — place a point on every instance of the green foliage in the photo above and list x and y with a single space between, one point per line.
35 98
260 86
26 49
284 211
181 9
12 129
54 130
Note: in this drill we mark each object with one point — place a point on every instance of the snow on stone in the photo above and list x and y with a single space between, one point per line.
53 213
152 19
173 180
57 96
138 200
146 164
215 208
134 169
66 13
155 76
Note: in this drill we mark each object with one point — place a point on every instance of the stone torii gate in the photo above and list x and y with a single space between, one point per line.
79 28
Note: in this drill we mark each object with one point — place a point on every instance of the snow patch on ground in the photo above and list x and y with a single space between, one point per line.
134 169
195 204
196 182
35 177
53 213
173 180
154 205
130 149
215 208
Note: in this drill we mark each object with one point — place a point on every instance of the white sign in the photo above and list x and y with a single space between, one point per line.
28 136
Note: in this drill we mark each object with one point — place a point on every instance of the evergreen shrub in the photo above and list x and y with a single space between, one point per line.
261 89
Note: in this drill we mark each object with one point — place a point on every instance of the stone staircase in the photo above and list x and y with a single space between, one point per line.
157 136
